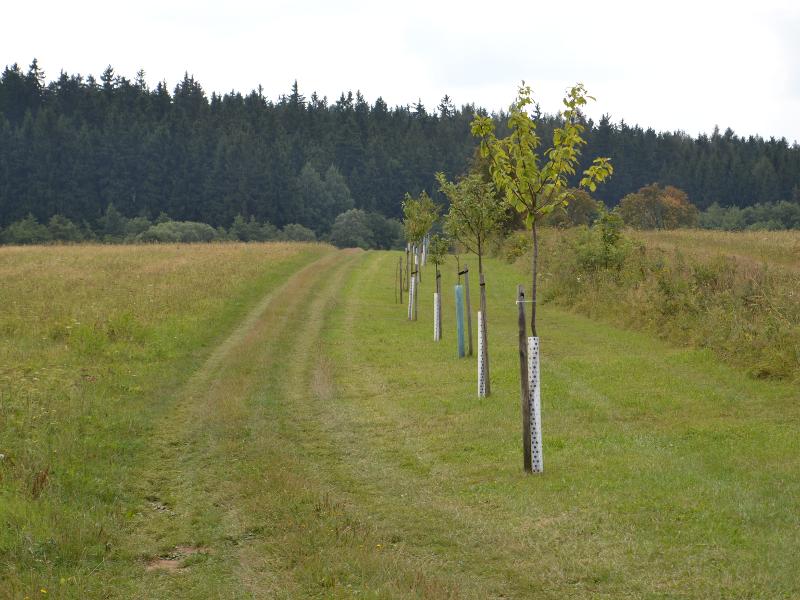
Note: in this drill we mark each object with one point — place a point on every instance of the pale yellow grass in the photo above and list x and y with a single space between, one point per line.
92 341
59 299
774 248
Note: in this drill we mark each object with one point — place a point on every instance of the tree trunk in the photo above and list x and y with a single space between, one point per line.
418 263
535 267
437 308
469 310
524 393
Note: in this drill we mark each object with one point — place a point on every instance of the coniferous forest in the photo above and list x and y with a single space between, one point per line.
74 145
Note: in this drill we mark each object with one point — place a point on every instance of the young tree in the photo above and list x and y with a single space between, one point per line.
474 215
437 251
535 184
419 215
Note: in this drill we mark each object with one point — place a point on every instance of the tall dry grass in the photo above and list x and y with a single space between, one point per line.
736 293
92 340
770 248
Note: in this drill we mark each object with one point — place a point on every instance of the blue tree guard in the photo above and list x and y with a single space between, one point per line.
460 319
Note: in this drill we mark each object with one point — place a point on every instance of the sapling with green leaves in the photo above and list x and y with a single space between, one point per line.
534 184
438 248
475 213
419 215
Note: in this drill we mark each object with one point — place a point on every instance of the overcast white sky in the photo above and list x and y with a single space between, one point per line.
680 64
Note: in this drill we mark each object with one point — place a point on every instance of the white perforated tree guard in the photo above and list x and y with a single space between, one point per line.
535 405
481 359
437 313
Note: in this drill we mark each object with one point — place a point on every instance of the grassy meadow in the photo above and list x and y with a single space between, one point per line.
93 342
261 421
777 249
734 293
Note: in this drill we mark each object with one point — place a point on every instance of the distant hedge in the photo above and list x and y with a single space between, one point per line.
355 228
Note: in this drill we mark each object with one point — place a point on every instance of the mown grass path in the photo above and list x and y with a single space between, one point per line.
330 449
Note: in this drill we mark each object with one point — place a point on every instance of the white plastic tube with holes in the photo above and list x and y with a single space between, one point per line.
535 405
481 359
436 316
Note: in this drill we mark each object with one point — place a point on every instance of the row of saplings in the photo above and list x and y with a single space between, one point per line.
532 183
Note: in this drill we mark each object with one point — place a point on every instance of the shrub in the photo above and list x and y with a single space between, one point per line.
251 231
179 231
351 230
136 226
745 312
387 234
760 216
582 209
112 224
517 244
655 208
61 229
294 232
603 246
26 231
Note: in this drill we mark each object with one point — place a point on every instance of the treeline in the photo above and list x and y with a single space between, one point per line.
722 168
353 228
75 145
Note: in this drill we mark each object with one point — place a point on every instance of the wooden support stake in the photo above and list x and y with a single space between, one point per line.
400 270
469 310
523 382
485 336
408 270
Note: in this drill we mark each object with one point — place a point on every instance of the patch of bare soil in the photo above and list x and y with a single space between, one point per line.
172 562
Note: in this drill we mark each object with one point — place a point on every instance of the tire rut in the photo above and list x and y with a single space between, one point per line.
210 427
